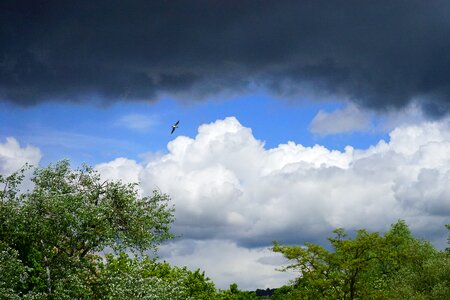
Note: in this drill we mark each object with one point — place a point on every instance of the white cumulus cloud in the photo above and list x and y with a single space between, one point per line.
227 187
13 156
121 168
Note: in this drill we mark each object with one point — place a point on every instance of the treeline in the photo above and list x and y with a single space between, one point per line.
51 238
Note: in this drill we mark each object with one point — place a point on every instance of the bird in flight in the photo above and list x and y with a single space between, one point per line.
175 126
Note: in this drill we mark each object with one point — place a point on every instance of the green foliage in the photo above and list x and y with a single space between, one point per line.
424 273
199 286
56 229
368 266
448 239
50 238
286 292
429 278
334 275
233 293
13 274
76 212
126 278
143 278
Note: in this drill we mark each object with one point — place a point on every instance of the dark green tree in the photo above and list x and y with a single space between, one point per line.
13 274
59 226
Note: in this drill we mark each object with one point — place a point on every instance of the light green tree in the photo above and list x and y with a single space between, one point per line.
338 274
368 266
421 271
123 277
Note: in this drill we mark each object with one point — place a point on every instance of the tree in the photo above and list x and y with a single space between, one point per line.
286 292
13 274
368 266
419 270
123 277
448 239
233 293
58 228
341 274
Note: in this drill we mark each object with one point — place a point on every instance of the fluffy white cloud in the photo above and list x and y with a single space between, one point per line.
227 187
343 120
13 156
123 169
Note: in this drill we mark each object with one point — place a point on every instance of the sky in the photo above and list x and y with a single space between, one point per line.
296 117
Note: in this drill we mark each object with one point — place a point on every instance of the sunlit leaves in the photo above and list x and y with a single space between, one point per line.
124 277
369 266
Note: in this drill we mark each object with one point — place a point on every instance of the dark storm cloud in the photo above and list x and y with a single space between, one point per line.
380 54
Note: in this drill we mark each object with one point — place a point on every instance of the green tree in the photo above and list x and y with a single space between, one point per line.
369 266
286 292
70 215
123 277
340 274
13 274
233 293
421 271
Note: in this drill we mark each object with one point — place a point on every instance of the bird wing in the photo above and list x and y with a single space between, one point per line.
173 129
176 123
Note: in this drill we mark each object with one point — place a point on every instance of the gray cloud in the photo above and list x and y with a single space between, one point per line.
381 54
349 119
225 262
